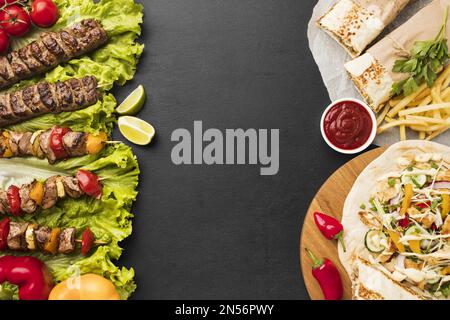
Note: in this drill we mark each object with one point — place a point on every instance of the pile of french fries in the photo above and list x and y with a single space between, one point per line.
426 111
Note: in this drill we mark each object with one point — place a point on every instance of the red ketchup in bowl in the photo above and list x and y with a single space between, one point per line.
348 125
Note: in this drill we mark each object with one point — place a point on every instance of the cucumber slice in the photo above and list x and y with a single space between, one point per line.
419 180
373 241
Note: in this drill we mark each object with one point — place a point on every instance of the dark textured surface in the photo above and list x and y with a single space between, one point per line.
225 232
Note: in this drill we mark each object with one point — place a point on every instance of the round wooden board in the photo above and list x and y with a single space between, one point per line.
330 200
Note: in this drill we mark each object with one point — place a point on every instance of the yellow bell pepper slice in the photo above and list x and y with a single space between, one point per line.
95 144
37 192
7 153
407 199
52 244
414 245
445 205
395 237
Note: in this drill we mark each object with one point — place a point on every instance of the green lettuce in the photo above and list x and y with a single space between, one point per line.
108 218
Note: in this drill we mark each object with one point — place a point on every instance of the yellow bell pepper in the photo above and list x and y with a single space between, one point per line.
7 153
395 237
37 192
95 144
52 244
445 205
445 271
414 245
407 199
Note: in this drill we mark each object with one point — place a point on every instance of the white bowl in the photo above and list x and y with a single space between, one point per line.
372 134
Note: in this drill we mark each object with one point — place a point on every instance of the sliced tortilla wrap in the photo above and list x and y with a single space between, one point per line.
354 24
372 72
355 229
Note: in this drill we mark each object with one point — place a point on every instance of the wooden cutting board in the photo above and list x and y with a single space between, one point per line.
330 200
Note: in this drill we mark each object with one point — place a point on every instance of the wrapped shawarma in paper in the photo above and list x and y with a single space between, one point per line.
372 72
356 23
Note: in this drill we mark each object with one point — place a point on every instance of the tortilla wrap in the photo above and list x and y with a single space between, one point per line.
354 24
355 230
372 72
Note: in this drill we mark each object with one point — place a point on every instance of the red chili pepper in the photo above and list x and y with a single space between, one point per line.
56 142
13 197
87 241
30 274
404 223
89 183
331 228
328 277
4 231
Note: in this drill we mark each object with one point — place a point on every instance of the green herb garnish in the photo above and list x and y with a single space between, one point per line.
362 207
391 182
434 204
426 61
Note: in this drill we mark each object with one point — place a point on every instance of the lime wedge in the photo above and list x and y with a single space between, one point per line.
136 130
133 103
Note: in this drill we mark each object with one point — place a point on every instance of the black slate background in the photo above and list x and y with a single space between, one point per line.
225 232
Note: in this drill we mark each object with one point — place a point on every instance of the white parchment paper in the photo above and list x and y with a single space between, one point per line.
331 57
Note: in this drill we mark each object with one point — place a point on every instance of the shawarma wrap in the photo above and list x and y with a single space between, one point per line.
397 225
354 24
372 72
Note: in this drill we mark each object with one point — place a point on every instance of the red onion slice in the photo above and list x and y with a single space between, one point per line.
441 185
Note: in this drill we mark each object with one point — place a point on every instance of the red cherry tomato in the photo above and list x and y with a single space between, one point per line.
13 196
4 231
56 142
4 42
44 13
15 20
89 183
3 2
87 241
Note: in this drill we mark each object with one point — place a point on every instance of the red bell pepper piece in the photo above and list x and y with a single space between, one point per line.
404 223
4 231
87 241
424 205
89 183
30 274
331 228
14 201
56 142
328 277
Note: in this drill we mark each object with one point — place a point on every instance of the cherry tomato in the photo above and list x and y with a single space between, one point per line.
87 241
13 196
4 42
44 13
89 183
3 2
56 142
4 232
15 20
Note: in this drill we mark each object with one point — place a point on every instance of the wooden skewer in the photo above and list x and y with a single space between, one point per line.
100 243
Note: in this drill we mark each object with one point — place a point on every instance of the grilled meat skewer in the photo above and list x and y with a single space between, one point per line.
26 236
52 49
28 198
53 144
42 98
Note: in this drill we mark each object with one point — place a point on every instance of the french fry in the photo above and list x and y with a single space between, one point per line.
405 101
383 114
397 123
422 135
421 109
429 119
437 133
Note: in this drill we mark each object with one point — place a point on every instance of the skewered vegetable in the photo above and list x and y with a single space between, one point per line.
29 197
24 236
50 50
42 98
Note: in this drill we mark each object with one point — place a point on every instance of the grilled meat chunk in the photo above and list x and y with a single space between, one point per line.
52 49
16 237
50 193
42 235
75 143
44 140
71 187
27 204
42 98
67 240
4 205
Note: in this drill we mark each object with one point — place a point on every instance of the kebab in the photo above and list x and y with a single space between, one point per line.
52 49
31 237
42 98
30 197
54 144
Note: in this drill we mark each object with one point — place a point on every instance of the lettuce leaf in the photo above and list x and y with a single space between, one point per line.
109 219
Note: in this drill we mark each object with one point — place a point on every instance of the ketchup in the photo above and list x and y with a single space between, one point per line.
348 125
